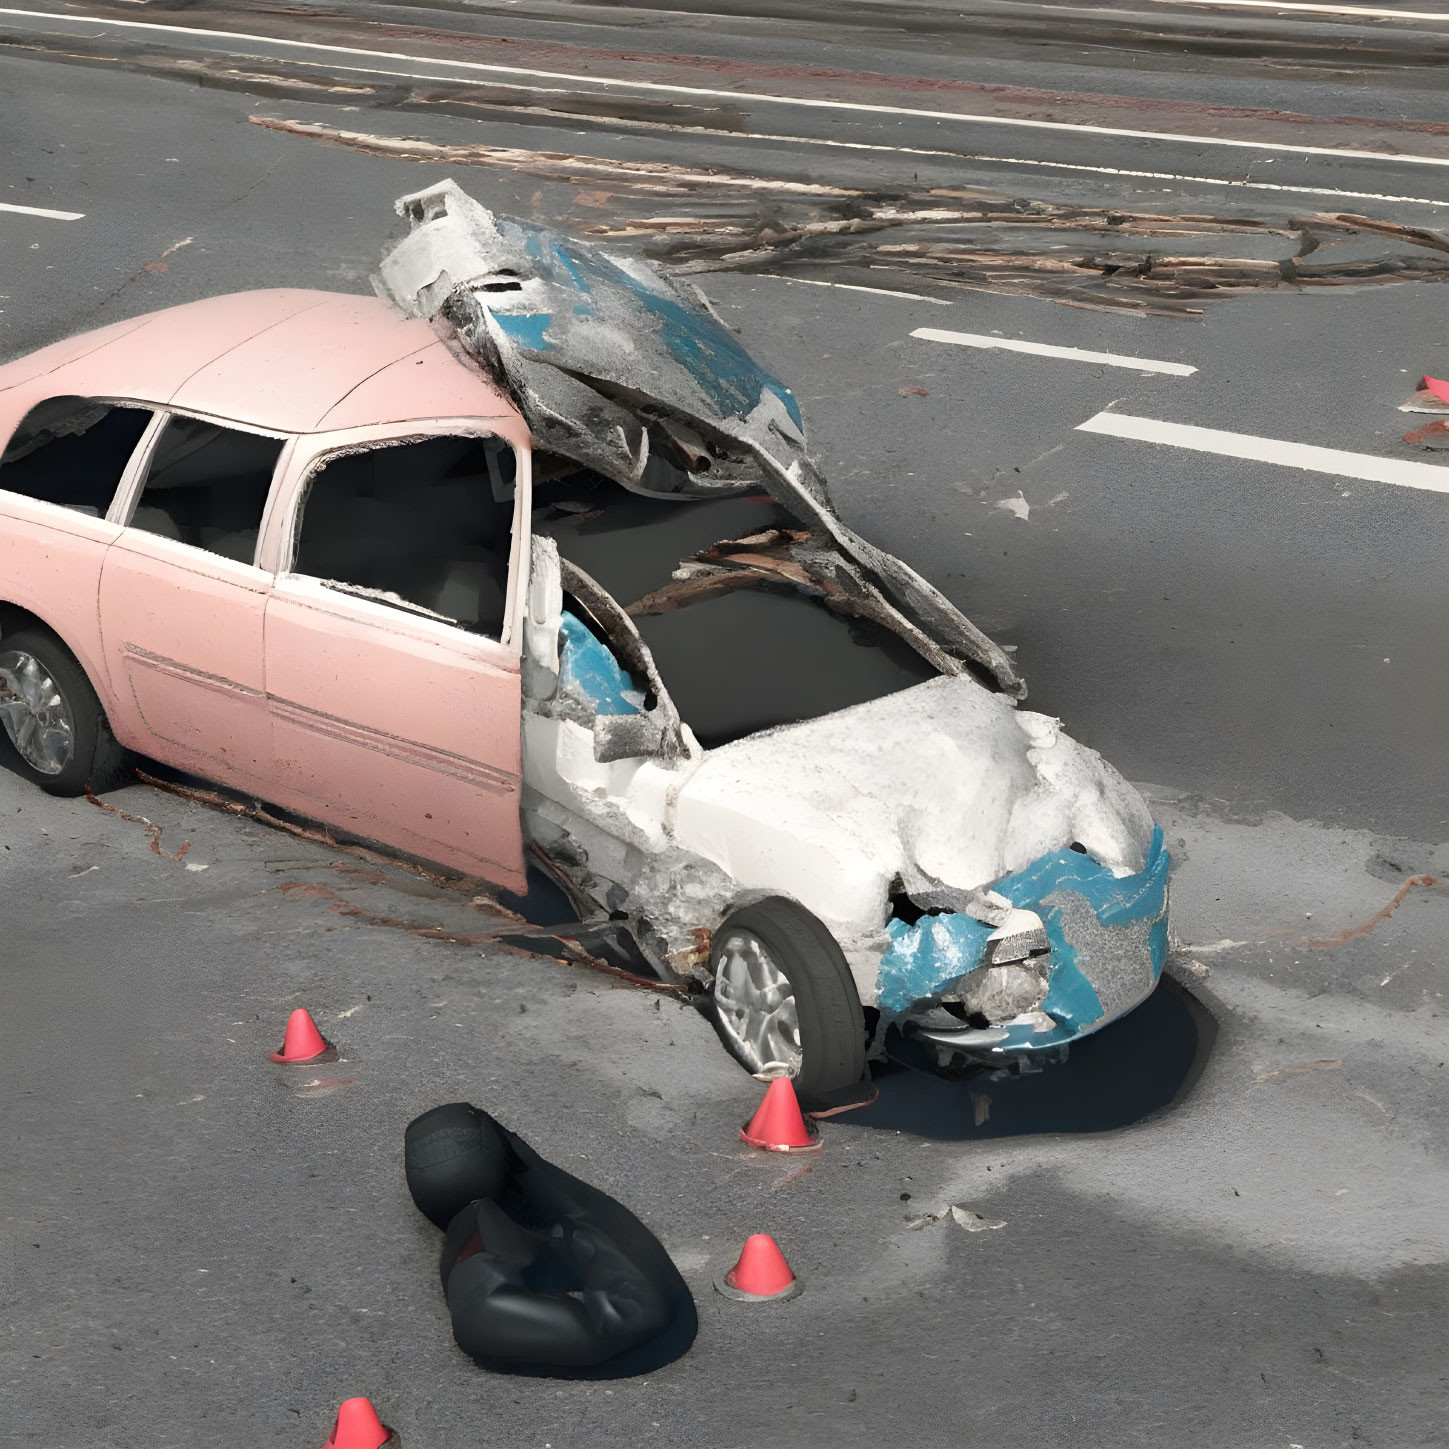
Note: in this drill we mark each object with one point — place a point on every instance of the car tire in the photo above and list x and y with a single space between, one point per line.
777 936
96 760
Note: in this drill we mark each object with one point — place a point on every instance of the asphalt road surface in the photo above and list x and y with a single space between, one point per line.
1222 1223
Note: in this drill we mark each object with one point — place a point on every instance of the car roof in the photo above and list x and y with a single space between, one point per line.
286 359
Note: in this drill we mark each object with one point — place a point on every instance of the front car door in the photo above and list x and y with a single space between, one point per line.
182 602
392 644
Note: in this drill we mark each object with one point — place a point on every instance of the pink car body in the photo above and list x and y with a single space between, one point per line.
387 722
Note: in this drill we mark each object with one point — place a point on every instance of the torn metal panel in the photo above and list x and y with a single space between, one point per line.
1107 933
573 327
943 788
941 797
923 957
618 369
586 667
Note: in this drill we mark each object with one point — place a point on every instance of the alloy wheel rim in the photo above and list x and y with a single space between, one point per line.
756 1006
36 715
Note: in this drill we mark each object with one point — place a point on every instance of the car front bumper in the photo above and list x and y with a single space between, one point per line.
1108 940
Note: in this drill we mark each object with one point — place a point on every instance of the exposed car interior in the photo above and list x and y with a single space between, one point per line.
72 451
735 662
207 486
426 524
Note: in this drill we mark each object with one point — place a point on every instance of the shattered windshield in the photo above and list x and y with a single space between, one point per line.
744 644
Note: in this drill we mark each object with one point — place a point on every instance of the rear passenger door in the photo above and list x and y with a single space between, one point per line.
182 602
391 657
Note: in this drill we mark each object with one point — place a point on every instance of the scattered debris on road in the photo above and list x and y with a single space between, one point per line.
1319 1064
973 1221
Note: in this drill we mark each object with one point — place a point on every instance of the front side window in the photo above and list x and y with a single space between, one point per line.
207 486
72 451
424 526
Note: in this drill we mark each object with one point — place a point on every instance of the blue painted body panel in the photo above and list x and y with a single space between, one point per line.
585 666
1127 913
708 352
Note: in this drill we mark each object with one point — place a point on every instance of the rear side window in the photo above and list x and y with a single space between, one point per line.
207 486
72 451
425 526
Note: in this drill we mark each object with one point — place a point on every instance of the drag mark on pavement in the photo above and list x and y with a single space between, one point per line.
460 885
160 264
502 100
1328 943
507 935
549 165
736 97
1430 477
1044 349
1320 1064
154 832
1031 99
790 1177
41 211
311 890
956 236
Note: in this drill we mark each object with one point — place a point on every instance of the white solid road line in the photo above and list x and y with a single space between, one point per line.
1205 180
1045 349
1371 469
855 287
762 97
1356 11
42 211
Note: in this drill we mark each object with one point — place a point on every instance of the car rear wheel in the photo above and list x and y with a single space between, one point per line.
783 998
60 734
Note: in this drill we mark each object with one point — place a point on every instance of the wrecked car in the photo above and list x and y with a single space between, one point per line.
528 555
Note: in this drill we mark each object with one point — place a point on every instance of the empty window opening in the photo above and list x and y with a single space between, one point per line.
769 655
762 655
426 525
207 486
72 451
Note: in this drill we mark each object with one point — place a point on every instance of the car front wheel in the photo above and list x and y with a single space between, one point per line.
783 998
62 739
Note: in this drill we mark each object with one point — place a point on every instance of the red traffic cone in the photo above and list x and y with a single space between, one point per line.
358 1427
778 1125
762 1275
303 1043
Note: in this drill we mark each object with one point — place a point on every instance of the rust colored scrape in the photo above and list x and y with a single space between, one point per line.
311 891
1349 933
509 927
460 885
154 832
503 936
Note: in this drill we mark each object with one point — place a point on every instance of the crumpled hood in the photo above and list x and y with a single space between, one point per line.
943 785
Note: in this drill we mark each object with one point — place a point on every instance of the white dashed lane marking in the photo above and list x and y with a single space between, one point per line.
854 287
1431 477
43 211
1045 349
